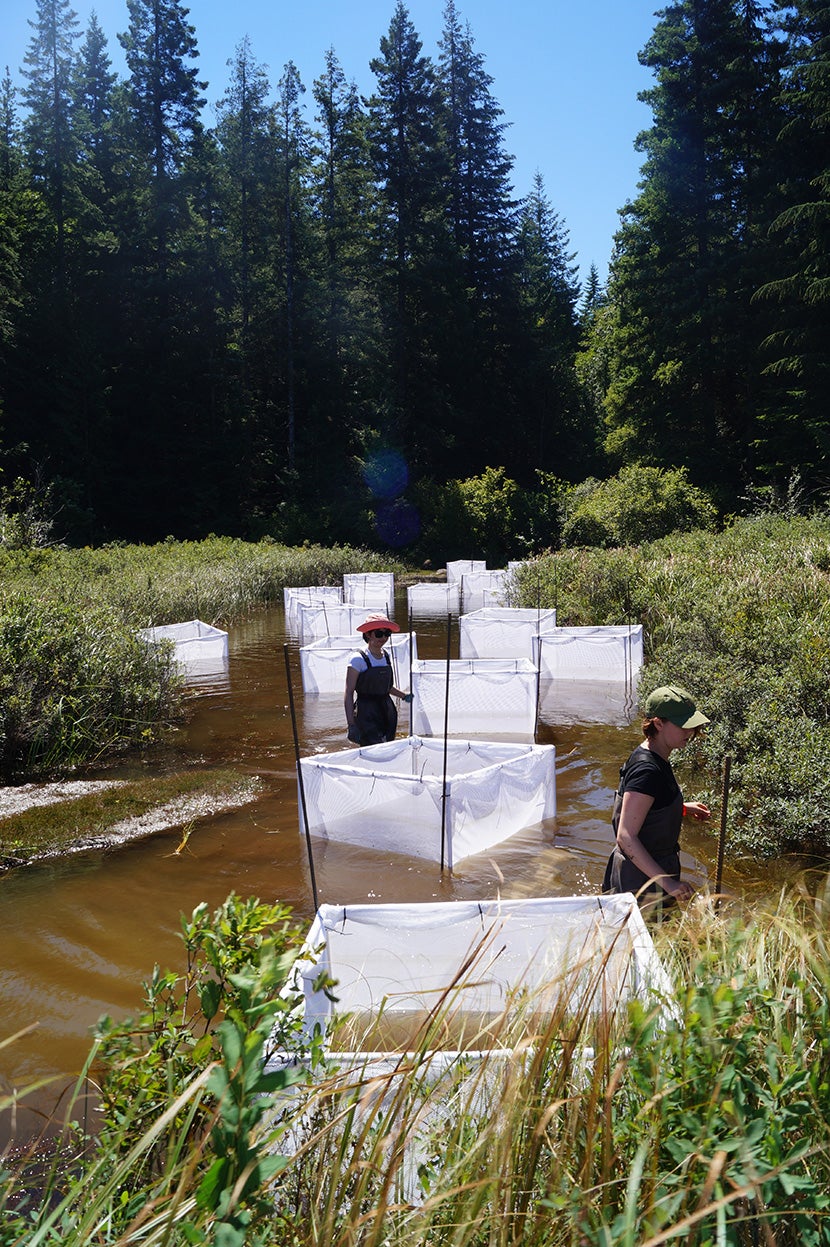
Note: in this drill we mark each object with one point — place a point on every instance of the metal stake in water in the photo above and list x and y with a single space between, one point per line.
724 804
300 778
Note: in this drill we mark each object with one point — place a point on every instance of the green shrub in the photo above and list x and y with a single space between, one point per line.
639 504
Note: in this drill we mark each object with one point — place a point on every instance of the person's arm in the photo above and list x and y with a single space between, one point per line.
696 809
348 699
635 806
396 692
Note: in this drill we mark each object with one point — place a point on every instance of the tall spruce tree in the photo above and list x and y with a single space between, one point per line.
242 133
479 334
410 166
165 100
685 360
796 430
548 419
49 128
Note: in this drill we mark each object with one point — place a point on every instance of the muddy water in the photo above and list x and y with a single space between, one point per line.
80 936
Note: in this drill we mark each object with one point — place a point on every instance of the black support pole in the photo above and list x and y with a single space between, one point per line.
300 778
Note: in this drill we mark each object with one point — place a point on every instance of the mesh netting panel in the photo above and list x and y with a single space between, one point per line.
502 632
328 619
373 590
457 568
389 797
433 599
308 595
402 958
195 642
586 701
323 663
474 585
487 696
608 653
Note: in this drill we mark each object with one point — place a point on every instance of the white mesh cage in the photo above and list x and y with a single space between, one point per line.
403 959
502 632
487 696
433 599
194 642
474 585
328 619
457 568
397 796
603 653
307 595
372 590
323 663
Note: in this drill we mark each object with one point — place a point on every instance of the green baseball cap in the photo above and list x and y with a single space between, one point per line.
674 703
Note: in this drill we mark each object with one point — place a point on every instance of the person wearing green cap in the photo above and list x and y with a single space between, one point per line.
648 805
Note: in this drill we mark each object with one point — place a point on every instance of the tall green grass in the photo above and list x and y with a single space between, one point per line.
741 619
708 1126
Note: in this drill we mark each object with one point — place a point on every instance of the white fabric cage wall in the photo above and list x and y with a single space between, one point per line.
487 697
457 568
323 663
307 595
475 584
502 632
433 599
194 642
372 590
328 619
400 960
613 653
395 797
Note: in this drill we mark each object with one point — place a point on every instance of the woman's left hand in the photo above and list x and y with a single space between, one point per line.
696 809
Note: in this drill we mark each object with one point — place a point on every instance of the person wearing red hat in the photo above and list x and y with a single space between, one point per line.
371 715
649 807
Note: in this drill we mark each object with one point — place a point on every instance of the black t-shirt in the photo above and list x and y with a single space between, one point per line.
646 772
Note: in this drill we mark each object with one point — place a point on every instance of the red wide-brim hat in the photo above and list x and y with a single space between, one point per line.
377 621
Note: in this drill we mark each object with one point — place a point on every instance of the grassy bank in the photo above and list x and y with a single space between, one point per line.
741 619
710 1128
75 682
97 816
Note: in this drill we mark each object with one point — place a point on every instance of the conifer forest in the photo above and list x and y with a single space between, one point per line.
301 318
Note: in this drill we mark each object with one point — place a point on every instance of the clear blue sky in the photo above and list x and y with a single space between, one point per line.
565 73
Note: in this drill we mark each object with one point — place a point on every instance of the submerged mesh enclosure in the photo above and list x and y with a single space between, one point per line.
474 585
373 590
433 599
323 663
479 957
194 642
487 696
612 653
308 595
457 568
398 797
328 619
502 632
565 702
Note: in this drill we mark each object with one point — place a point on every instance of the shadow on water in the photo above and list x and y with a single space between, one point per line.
81 935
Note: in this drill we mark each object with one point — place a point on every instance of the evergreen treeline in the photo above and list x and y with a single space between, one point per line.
304 319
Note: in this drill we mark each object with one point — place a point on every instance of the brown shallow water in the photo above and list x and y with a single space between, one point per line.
80 935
